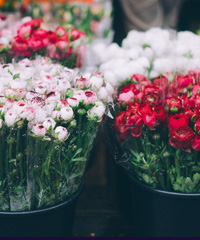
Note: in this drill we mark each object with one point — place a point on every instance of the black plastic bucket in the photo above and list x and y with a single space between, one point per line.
55 221
160 213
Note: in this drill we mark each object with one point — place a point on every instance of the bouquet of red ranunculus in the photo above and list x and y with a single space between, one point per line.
157 125
64 46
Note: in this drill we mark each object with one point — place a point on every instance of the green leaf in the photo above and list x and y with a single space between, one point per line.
17 75
80 159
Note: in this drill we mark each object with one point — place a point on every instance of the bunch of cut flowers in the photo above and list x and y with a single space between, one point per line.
48 123
61 45
157 126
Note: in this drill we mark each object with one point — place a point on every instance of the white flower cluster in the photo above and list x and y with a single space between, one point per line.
149 53
47 95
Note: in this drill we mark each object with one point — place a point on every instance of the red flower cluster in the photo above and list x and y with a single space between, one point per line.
152 104
32 39
143 101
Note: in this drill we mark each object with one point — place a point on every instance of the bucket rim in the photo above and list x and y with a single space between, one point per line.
48 209
153 190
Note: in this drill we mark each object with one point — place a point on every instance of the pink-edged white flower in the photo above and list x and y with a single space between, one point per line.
37 102
19 107
18 83
90 97
66 113
79 95
61 133
73 102
61 103
39 130
1 123
126 97
103 94
82 82
10 118
49 122
96 81
25 62
63 84
2 109
52 96
97 111
9 104
56 115
42 87
31 94
28 113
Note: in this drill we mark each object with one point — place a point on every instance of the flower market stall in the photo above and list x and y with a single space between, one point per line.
61 80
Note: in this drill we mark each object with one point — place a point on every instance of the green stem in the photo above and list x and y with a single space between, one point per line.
147 146
168 173
1 158
177 164
79 138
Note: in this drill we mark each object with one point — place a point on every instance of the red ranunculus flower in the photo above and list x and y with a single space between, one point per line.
195 74
143 83
197 126
144 108
133 106
192 113
133 119
178 120
76 34
185 101
181 137
137 78
119 122
24 31
159 113
173 104
195 89
52 37
60 31
161 82
149 120
197 102
127 88
196 143
36 44
40 34
152 96
138 95
184 81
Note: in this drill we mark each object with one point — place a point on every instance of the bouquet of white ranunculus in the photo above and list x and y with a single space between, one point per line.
48 122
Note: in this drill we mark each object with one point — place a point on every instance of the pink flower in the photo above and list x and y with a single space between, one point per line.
24 31
19 107
60 31
62 103
82 83
28 113
126 97
39 130
37 102
90 97
49 122
62 45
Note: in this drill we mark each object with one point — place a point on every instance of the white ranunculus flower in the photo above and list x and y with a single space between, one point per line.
10 118
49 122
96 82
61 133
66 113
56 114
28 113
97 111
19 107
73 102
39 130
